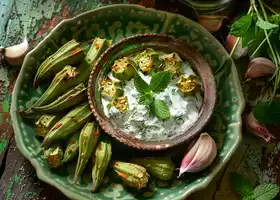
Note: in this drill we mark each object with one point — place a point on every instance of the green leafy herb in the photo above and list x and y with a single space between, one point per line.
140 84
268 112
241 26
265 25
265 192
160 81
160 109
244 187
146 99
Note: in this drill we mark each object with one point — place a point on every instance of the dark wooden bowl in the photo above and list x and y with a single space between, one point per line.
158 42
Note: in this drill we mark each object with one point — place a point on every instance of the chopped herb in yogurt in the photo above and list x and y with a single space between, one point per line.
152 95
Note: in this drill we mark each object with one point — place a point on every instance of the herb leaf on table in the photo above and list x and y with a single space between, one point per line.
268 112
244 187
265 25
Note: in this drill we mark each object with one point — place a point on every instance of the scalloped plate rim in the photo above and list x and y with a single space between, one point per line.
42 175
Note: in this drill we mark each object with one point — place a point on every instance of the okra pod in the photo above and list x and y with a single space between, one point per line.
132 175
102 158
121 103
71 98
111 89
68 54
161 168
72 148
54 156
44 124
123 68
188 84
69 124
88 140
173 63
61 82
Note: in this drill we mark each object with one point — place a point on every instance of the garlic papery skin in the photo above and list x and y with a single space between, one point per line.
211 23
239 51
260 67
199 156
15 54
256 128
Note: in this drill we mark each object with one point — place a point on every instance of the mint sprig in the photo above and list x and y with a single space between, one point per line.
159 82
244 187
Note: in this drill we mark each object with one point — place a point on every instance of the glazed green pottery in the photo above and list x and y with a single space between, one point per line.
117 22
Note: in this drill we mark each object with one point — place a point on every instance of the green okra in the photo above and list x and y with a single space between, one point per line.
89 137
111 89
148 60
44 124
61 82
172 62
161 168
132 175
70 53
102 159
72 148
54 156
71 98
70 123
123 68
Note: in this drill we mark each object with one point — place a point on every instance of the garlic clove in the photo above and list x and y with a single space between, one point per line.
256 128
15 54
199 156
211 23
260 67
239 51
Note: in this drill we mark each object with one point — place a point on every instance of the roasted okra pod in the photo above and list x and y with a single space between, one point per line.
72 148
69 124
132 175
161 168
44 124
88 140
173 63
71 98
54 156
111 89
102 158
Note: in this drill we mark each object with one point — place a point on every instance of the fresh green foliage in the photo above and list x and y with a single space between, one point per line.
244 187
140 84
265 25
159 83
160 109
146 99
268 112
241 26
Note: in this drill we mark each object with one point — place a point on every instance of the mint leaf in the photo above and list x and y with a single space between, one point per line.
160 109
160 81
268 112
265 25
240 27
265 192
140 84
242 185
146 99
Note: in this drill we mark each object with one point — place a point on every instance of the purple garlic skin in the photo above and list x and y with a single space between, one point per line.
199 156
256 128
260 67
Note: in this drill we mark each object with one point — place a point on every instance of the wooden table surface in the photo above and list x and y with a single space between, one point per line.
34 18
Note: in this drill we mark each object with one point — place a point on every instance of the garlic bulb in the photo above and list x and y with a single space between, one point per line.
260 67
15 54
256 128
199 156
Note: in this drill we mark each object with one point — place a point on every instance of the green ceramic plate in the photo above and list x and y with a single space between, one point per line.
117 22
